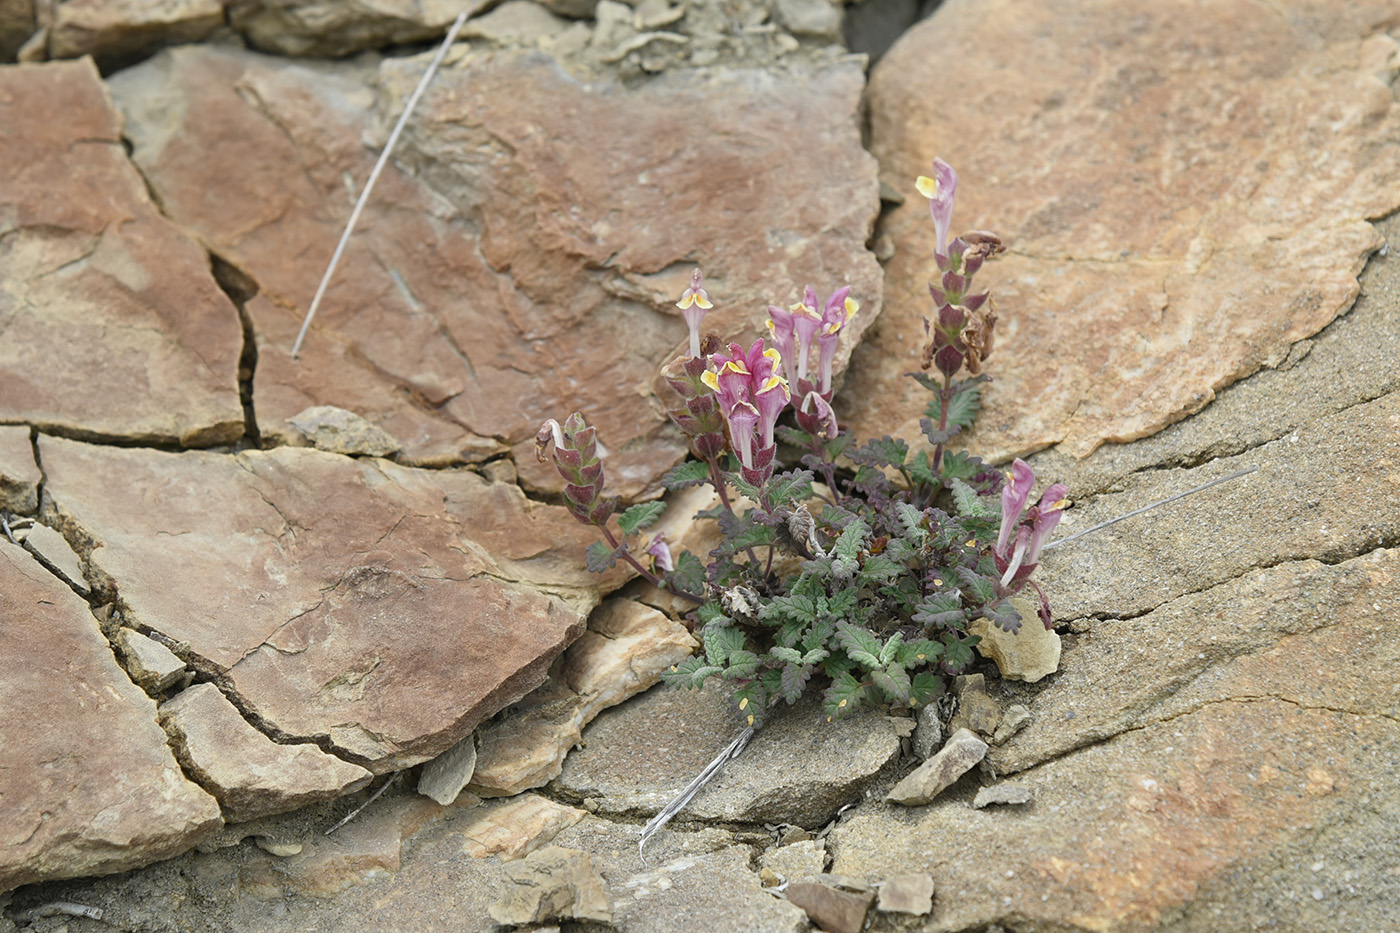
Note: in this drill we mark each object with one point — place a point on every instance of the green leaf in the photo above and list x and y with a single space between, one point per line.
783 608
816 656
751 700
711 614
642 515
891 648
893 681
880 569
961 465
853 538
689 574
941 610
860 645
690 673
789 633
794 681
971 504
1004 616
928 382
786 655
911 520
980 590
745 487
925 688
921 469
793 436
742 664
843 696
722 641
935 434
818 635
920 651
690 473
600 558
957 652
785 487
881 452
966 402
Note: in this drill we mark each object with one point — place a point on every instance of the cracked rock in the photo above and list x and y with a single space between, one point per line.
1032 654
343 432
117 32
53 551
553 883
832 906
716 890
976 708
445 776
933 777
515 827
153 667
337 28
1005 794
796 861
19 474
251 775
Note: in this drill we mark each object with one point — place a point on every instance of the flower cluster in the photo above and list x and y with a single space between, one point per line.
1025 532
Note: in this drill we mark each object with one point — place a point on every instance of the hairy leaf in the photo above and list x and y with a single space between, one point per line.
925 688
966 403
880 569
751 699
599 558
957 652
960 465
785 487
980 590
971 504
1004 617
642 515
692 672
793 436
794 680
920 651
890 650
941 610
893 681
881 452
742 664
690 473
689 575
843 696
860 646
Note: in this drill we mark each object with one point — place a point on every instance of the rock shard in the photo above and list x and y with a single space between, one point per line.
963 751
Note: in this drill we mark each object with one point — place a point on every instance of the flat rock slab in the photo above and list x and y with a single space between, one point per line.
19 474
381 609
117 32
696 894
1183 189
89 786
336 28
798 769
492 283
114 326
1267 755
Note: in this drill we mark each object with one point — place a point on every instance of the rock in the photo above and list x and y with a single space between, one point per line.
251 775
797 861
54 553
381 610
907 894
334 29
553 884
118 33
515 827
1030 655
976 709
89 785
1138 221
278 848
623 652
831 908
1013 794
941 771
153 667
343 432
16 25
135 300
928 734
574 9
515 22
872 26
495 273
1012 721
798 769
715 891
819 19
19 474
445 776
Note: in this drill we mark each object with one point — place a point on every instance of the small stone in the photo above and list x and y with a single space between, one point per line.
1012 721
963 751
343 432
903 726
976 709
515 22
444 777
829 907
816 18
276 847
1012 794
553 883
799 861
19 474
515 827
769 878
52 548
907 894
928 735
152 666
883 247
1029 655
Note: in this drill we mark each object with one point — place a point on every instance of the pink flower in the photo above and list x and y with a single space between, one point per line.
660 553
780 327
1032 528
840 308
750 388
695 301
940 190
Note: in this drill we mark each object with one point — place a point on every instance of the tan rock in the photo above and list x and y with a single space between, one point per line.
553 883
343 432
336 28
515 827
623 652
962 751
831 908
716 886
153 667
500 315
54 552
89 785
445 776
90 266
1013 721
1170 230
515 22
19 474
1032 654
385 610
251 775
797 861
976 708
117 32
16 25
1005 793
907 894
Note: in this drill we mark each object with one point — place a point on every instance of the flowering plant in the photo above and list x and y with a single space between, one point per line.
886 554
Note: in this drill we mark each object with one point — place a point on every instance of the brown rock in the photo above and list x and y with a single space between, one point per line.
1159 248
514 276
93 280
445 776
831 908
251 775
117 32
1032 654
335 28
623 652
1013 794
933 777
89 785
715 890
553 883
515 827
976 708
16 25
54 553
19 474
382 609
152 666
343 432
907 894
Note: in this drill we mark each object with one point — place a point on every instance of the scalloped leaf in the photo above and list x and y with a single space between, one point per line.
642 515
690 473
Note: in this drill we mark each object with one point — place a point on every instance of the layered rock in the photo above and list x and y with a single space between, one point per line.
149 344
117 32
19 474
333 28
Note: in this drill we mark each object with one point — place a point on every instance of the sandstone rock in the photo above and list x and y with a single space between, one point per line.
445 776
976 709
251 775
798 769
1030 655
335 28
907 894
553 883
1013 794
514 278
96 281
623 652
928 734
515 827
1012 721
381 609
55 554
1160 250
278 848
16 25
515 22
152 666
798 861
714 891
117 33
575 9
933 777
89 784
818 19
831 908
343 432
19 474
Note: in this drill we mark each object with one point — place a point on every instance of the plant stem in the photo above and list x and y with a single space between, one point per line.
945 398
646 574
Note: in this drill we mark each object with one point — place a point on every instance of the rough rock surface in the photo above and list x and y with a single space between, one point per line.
698 893
906 894
117 32
1181 207
487 253
445 777
1031 654
1013 794
249 774
94 789
798 769
19 474
334 28
831 908
515 827
152 666
89 265
381 609
552 883
16 25
343 432
961 753
623 652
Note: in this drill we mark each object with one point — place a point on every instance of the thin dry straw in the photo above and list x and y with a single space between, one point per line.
693 788
374 176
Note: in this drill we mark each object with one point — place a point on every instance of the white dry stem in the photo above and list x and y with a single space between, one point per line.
711 771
